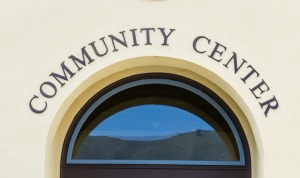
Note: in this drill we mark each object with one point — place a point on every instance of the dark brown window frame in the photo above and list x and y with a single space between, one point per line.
164 171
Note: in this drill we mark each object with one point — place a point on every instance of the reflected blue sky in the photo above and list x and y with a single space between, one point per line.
149 120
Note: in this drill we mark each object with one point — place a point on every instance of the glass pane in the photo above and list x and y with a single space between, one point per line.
155 132
156 124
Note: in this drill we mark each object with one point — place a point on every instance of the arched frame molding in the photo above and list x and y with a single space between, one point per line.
148 64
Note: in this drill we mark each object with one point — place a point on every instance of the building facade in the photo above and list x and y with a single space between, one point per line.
62 58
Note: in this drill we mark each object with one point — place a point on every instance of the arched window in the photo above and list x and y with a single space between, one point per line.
155 125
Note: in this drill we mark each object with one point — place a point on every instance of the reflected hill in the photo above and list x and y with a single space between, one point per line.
145 138
195 145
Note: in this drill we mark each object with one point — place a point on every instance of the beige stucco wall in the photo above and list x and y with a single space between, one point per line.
36 37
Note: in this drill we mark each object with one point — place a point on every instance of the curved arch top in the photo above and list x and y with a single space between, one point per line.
169 80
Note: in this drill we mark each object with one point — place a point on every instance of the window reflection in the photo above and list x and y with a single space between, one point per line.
149 122
156 132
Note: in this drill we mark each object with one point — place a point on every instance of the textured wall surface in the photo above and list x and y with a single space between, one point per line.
39 38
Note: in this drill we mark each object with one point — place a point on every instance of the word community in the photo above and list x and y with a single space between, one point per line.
144 36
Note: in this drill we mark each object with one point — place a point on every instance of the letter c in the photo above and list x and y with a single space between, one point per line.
35 110
195 43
